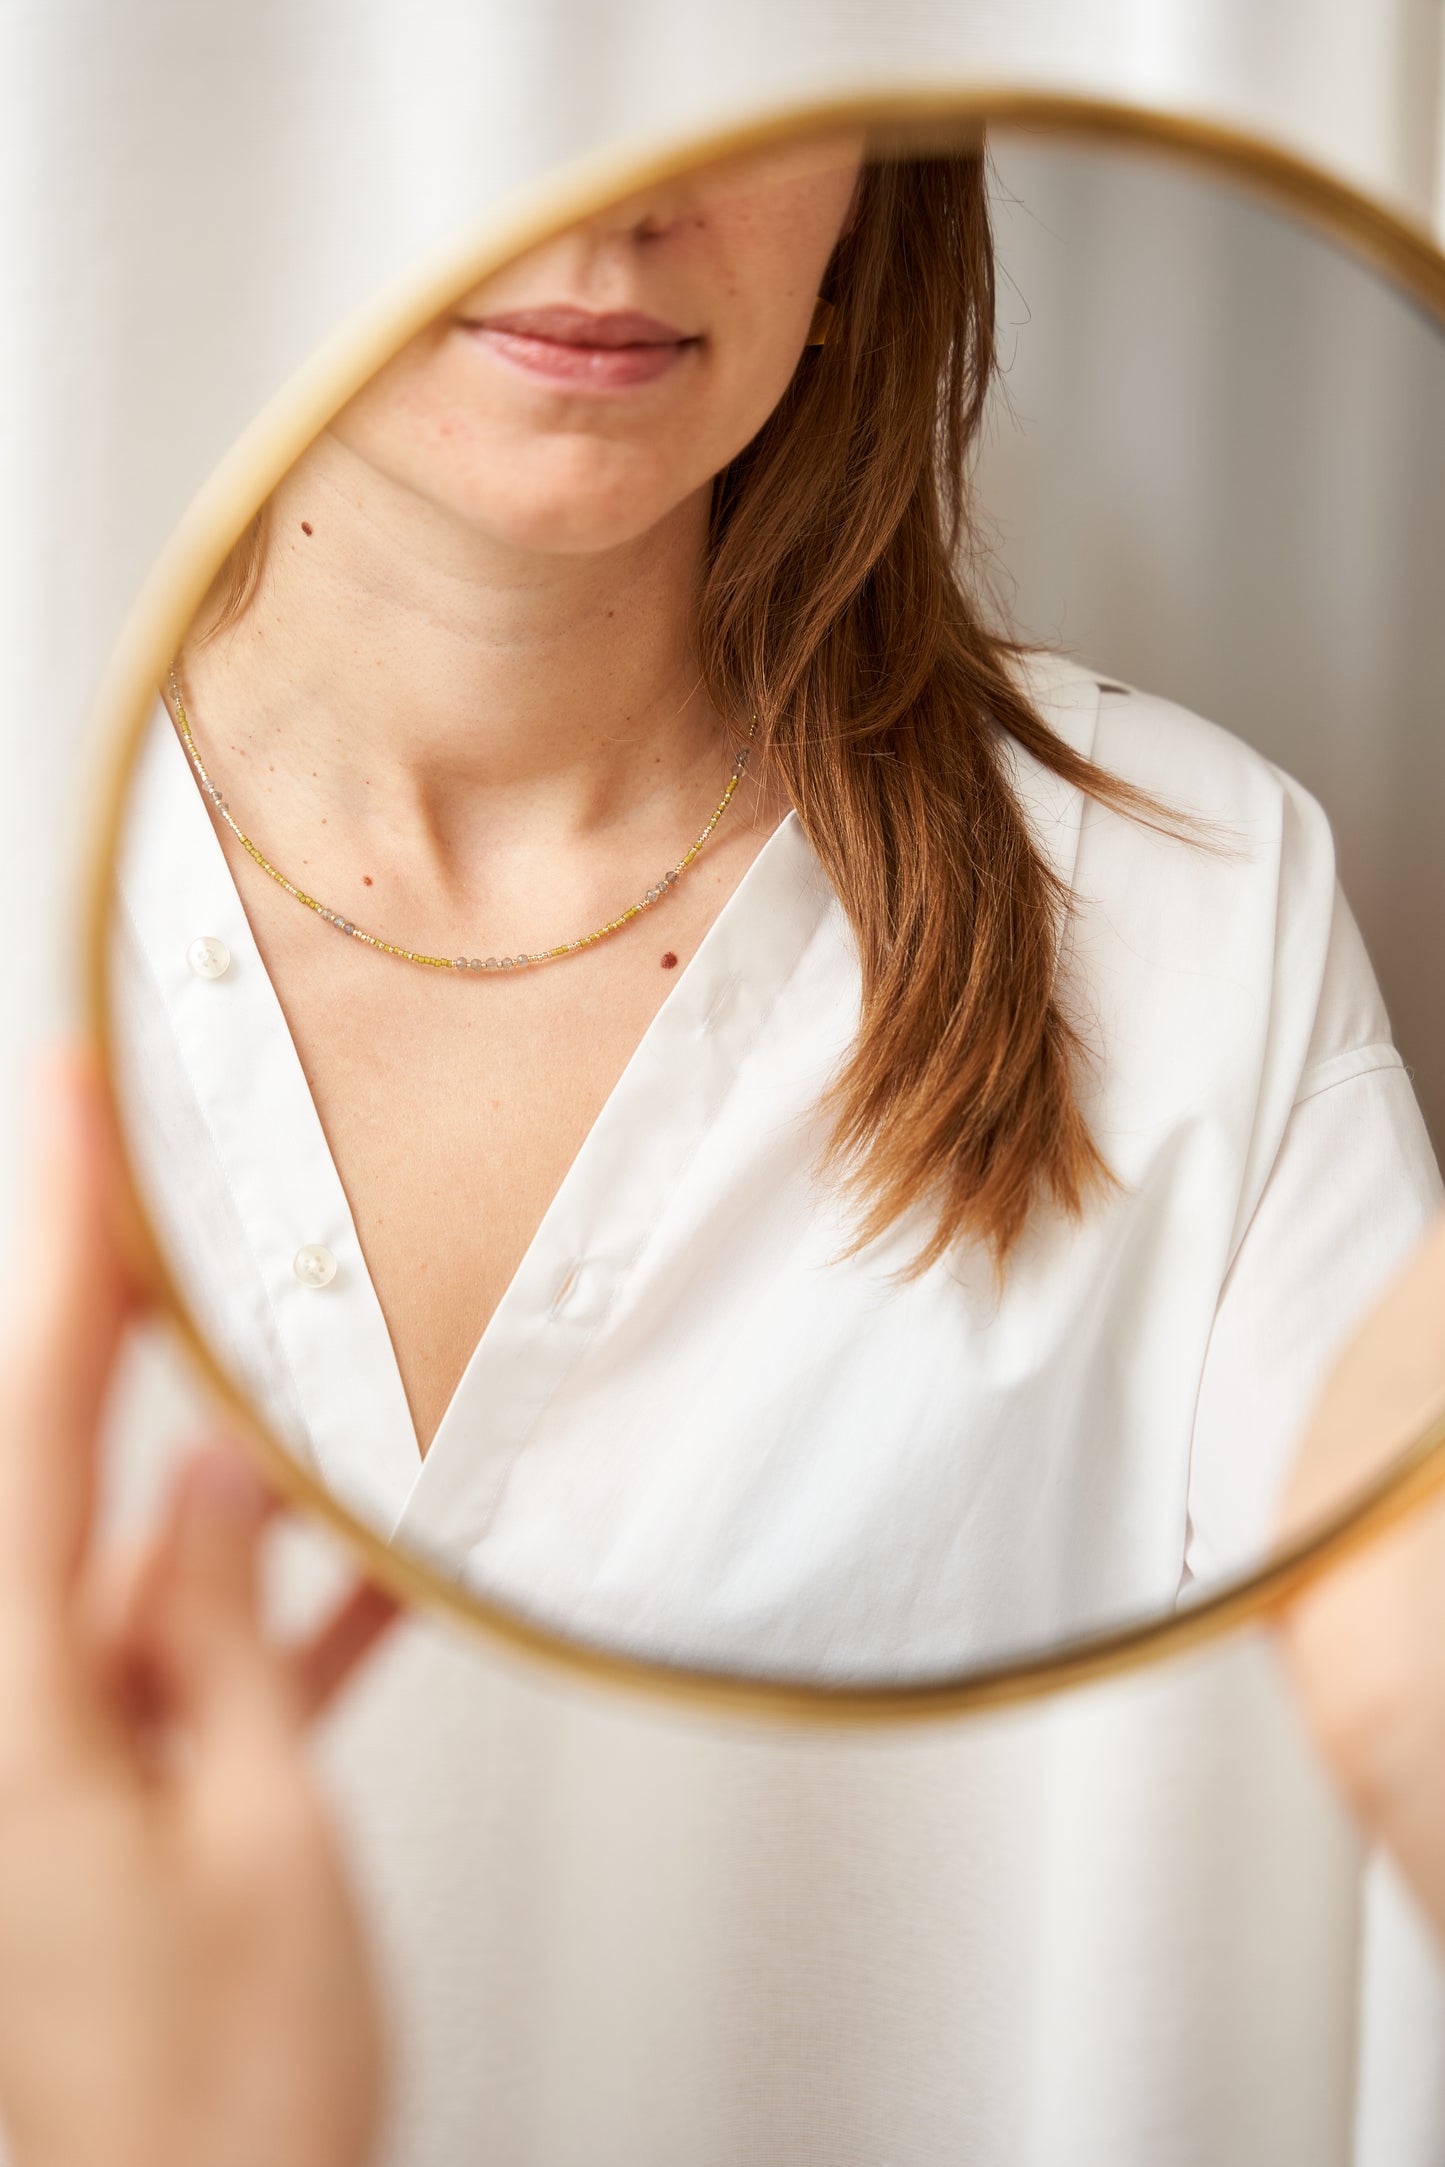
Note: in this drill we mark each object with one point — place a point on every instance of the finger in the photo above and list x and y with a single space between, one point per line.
141 1597
322 1665
127 1591
198 1630
69 1302
130 1594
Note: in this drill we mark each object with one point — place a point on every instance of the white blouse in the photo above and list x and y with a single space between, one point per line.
688 1427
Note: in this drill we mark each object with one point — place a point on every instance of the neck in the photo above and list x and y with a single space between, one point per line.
400 667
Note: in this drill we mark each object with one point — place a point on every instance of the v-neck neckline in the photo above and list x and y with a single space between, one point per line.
238 1049
239 1056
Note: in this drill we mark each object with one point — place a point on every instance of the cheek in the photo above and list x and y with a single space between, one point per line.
775 243
770 253
759 346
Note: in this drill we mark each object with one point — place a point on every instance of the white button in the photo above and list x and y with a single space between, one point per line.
314 1265
208 957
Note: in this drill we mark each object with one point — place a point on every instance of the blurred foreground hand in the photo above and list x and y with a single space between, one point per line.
182 1977
1365 1645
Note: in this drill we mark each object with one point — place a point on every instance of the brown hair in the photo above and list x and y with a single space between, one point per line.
834 607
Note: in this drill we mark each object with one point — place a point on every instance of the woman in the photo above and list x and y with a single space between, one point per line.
912 1224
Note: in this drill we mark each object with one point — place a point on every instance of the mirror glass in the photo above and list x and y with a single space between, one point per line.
725 975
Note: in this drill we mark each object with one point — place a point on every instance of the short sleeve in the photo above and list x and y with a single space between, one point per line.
1350 1191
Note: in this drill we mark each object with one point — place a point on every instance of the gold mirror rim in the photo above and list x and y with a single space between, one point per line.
1388 242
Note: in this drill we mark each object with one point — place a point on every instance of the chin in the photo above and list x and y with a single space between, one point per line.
571 524
571 492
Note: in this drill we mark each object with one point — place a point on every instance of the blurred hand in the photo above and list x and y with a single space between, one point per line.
182 1978
1365 1645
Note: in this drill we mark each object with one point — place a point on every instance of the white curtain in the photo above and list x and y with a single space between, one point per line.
592 1917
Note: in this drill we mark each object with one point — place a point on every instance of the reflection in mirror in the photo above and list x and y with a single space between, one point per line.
700 1073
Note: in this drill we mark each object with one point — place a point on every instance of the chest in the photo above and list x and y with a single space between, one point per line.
454 1105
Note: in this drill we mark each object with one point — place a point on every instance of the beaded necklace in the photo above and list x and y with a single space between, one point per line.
450 963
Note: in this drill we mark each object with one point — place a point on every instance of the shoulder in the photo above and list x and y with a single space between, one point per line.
1233 824
1239 903
1236 834
1165 749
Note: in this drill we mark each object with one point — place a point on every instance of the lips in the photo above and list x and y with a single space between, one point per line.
582 350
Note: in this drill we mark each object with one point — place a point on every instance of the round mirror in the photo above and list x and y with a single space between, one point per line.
717 933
